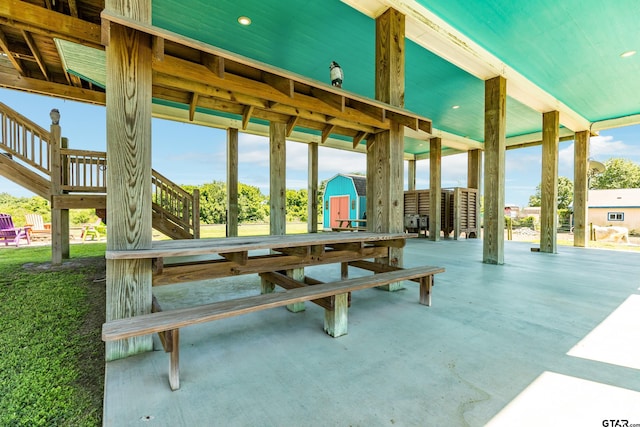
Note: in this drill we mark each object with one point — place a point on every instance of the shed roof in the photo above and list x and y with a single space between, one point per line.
619 198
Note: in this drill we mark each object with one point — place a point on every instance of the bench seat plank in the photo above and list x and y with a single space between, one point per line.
169 322
174 319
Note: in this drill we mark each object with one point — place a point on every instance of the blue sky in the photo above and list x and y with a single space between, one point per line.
191 154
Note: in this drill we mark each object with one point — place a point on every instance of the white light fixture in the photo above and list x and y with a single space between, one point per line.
628 54
455 107
244 20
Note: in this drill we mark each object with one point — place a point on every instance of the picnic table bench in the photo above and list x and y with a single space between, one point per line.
332 296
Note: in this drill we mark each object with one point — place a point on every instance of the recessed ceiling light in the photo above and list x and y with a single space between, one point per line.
244 20
455 107
628 53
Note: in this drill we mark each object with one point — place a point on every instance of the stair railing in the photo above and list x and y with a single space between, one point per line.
25 140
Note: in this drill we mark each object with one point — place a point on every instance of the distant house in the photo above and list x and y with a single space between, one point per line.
615 207
344 198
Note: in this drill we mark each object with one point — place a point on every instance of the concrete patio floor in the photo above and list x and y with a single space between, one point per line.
542 340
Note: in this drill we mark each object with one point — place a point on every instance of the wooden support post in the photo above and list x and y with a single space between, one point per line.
277 186
335 321
474 168
495 106
426 283
59 217
385 153
174 360
129 78
435 189
549 182
232 182
196 214
312 185
296 274
277 183
411 175
580 188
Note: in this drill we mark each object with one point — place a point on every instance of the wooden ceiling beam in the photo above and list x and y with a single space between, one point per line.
186 70
157 48
38 20
279 83
214 63
256 75
73 8
47 88
4 45
334 100
36 53
410 122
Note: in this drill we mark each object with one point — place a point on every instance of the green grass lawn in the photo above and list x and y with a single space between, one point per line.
52 363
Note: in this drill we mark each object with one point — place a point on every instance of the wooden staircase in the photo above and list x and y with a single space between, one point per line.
30 157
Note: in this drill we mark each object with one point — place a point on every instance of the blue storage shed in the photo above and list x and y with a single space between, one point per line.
344 198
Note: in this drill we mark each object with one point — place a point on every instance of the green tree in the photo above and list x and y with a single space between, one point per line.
618 173
565 194
213 203
297 205
252 204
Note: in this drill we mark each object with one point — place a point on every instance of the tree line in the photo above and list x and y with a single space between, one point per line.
253 206
618 173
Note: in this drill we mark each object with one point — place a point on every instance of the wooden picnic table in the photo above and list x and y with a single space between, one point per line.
274 258
200 259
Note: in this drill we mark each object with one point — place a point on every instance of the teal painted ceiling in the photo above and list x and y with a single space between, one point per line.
570 48
305 36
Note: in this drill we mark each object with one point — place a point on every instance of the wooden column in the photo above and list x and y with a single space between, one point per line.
129 179
232 182
549 183
495 105
385 151
435 189
411 175
474 169
474 180
580 188
312 192
59 217
278 181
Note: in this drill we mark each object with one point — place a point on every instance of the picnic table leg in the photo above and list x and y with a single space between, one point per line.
335 321
297 274
344 275
426 283
174 368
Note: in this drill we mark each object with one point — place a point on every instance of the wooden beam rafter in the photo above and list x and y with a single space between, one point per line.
281 84
214 63
291 124
326 132
38 20
36 53
193 105
4 45
334 100
157 47
246 116
358 139
73 8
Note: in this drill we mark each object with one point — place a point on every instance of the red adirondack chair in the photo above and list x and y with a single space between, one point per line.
9 233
